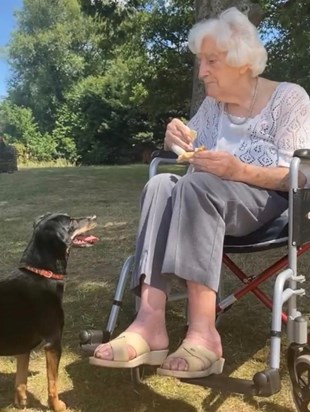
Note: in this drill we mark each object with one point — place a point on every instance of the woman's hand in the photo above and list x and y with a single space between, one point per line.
179 134
229 167
221 164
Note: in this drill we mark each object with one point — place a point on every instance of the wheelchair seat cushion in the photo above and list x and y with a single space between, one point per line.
272 234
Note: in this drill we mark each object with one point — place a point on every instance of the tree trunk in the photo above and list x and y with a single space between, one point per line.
205 9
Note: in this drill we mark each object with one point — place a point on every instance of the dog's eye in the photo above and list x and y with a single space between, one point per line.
74 224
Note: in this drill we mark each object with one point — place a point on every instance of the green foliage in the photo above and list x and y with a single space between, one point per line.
94 80
22 152
20 128
169 79
288 23
62 135
54 47
95 116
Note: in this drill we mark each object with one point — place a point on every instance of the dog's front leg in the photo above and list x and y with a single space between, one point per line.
22 363
53 354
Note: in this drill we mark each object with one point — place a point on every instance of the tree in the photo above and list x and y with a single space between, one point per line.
99 76
139 51
53 47
286 28
20 128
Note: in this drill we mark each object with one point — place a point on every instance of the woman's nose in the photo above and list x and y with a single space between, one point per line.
203 69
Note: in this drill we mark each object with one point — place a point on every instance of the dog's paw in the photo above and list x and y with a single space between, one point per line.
57 405
21 405
20 398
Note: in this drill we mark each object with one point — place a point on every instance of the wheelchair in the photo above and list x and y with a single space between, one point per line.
291 229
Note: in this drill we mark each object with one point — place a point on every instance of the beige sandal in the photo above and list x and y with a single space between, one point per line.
119 345
201 362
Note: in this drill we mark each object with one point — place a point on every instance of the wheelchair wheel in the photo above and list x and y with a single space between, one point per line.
301 383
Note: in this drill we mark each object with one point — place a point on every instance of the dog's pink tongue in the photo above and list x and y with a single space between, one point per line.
84 241
91 239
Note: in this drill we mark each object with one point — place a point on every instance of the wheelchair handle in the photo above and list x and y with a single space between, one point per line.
302 154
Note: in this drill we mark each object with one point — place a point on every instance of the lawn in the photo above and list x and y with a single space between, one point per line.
112 193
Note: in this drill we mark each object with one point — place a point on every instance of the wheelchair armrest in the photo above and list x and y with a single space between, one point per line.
163 154
302 154
161 157
300 162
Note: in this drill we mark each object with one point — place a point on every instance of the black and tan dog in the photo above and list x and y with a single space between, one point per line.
31 299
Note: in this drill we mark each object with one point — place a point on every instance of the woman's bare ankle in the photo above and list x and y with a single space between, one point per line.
151 325
154 333
210 340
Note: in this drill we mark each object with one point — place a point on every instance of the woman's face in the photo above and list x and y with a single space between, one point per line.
219 78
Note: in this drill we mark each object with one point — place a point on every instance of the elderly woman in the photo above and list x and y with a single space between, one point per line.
250 127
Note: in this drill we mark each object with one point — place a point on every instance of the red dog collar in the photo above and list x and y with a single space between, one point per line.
46 273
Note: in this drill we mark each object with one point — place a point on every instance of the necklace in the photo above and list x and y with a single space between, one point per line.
233 121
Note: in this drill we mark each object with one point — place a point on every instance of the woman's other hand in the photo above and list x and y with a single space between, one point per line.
221 164
179 134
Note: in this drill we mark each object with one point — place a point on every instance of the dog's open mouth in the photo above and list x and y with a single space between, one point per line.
81 236
84 240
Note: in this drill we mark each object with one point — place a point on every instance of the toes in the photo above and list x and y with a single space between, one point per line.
176 364
104 352
131 352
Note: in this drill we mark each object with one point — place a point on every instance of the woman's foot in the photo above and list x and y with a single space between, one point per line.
195 361
149 325
210 341
153 332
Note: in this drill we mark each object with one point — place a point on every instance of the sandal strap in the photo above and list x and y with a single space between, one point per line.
196 356
120 345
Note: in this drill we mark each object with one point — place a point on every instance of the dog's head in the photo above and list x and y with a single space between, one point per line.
53 235
61 228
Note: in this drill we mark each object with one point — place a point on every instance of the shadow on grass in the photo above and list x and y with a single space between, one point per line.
94 387
112 390
7 393
213 402
245 331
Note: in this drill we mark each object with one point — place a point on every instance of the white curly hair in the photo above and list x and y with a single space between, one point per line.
234 34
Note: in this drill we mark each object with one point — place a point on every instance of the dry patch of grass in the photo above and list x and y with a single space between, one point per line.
112 193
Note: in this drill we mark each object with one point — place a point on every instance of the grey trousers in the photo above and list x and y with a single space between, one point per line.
183 221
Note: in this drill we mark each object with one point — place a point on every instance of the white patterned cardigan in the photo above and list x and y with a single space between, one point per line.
271 137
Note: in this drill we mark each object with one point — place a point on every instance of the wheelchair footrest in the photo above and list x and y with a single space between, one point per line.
90 339
89 349
265 383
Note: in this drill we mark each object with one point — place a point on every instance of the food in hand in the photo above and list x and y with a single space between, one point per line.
193 134
177 149
184 157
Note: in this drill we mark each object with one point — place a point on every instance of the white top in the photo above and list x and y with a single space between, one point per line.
269 139
229 134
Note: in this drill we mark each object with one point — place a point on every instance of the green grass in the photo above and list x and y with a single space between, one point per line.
112 193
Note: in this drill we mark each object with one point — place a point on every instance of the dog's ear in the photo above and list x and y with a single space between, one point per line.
53 235
50 216
41 218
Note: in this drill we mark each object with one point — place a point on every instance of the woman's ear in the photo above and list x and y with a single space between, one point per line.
244 69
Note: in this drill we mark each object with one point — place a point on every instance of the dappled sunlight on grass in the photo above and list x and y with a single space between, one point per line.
112 193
